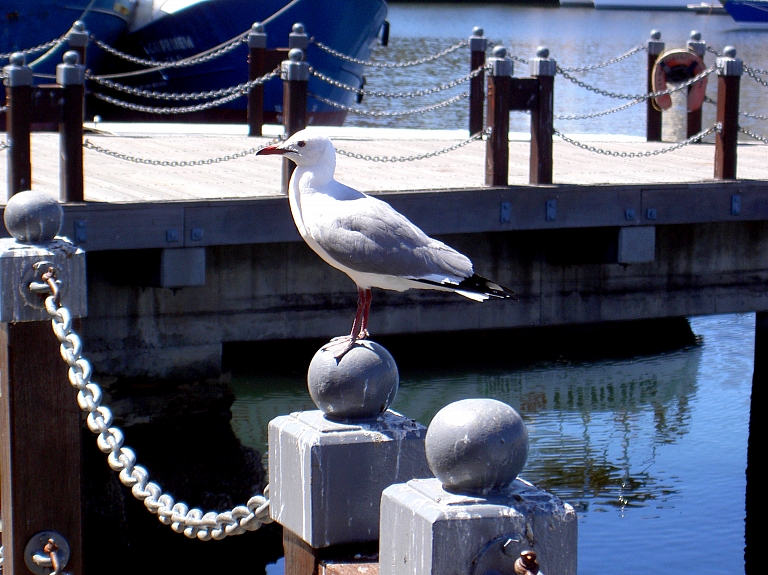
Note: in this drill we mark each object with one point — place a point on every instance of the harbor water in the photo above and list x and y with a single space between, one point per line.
649 449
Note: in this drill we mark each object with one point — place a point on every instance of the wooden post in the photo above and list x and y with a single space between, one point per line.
257 49
18 89
729 71
653 114
71 76
477 46
497 145
698 47
40 429
78 40
543 68
758 439
295 75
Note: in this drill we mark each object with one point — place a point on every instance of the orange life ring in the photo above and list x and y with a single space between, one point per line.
677 66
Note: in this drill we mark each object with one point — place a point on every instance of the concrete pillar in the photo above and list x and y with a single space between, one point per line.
476 516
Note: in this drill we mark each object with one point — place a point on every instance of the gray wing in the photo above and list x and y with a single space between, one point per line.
368 235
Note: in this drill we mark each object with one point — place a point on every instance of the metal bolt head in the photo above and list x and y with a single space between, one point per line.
695 36
361 385
476 446
729 52
542 52
33 217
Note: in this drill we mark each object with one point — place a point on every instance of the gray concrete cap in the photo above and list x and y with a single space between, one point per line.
360 385
33 217
476 446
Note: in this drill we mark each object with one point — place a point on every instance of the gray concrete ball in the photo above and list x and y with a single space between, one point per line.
360 385
476 446
33 217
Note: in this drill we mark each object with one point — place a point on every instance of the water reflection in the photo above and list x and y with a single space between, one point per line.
594 427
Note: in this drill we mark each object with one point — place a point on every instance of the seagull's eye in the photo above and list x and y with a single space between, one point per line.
301 143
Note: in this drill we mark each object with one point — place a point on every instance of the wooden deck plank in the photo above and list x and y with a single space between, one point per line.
110 179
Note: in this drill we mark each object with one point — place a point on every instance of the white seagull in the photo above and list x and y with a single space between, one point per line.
367 239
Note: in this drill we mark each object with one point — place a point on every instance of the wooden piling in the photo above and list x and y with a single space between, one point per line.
257 49
71 76
729 73
477 46
18 89
542 116
653 114
295 75
497 145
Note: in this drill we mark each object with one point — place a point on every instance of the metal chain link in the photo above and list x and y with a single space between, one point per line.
342 56
389 159
362 92
4 145
763 139
194 523
200 58
361 112
752 73
598 114
753 116
176 163
168 110
185 96
641 97
691 140
35 49
625 55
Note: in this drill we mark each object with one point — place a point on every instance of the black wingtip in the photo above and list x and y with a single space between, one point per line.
481 285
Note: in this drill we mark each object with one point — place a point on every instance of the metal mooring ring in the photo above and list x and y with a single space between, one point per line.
37 560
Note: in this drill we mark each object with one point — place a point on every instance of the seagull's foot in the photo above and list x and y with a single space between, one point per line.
339 346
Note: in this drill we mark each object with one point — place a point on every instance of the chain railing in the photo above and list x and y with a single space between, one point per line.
598 114
393 159
751 134
193 523
415 94
624 56
88 145
36 49
362 112
755 75
372 64
693 139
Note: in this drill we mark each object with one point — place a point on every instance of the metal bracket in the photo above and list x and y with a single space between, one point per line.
499 555
40 561
33 289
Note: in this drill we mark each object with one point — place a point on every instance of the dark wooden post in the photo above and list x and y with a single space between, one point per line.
295 75
758 439
18 90
729 71
257 50
698 47
653 114
40 430
497 145
78 40
543 68
71 76
477 46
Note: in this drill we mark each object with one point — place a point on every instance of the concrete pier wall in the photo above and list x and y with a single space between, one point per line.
271 291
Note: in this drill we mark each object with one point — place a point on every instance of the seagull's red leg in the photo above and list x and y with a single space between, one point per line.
363 333
360 318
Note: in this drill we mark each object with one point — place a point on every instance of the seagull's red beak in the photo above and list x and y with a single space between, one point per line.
271 150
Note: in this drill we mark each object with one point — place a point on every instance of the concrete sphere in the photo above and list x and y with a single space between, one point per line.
360 385
476 446
33 217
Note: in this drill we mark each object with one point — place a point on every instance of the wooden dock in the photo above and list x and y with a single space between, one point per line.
112 180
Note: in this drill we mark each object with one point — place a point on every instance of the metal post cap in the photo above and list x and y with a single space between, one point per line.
17 73
297 28
655 35
298 37
77 35
33 217
655 45
257 38
500 64
695 35
476 446
542 64
477 42
70 72
477 31
728 64
361 385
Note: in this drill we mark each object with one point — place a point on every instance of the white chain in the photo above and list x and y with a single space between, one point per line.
176 163
623 56
362 112
598 114
388 159
439 88
752 73
763 139
185 96
389 64
677 146
36 49
194 523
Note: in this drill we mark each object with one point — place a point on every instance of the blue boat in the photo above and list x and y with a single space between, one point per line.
172 30
748 13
